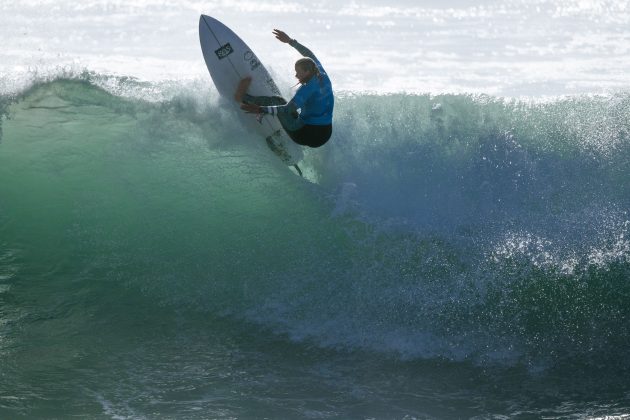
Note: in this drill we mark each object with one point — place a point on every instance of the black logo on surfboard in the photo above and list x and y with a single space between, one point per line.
224 51
250 58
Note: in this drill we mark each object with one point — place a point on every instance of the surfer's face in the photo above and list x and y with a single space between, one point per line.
302 74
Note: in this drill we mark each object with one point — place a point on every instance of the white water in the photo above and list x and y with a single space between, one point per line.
514 48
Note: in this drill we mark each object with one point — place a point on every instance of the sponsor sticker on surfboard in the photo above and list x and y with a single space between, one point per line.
224 51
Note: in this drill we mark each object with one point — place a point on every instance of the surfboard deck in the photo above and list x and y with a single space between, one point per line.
229 59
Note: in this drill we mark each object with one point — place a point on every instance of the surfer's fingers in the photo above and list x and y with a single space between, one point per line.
281 35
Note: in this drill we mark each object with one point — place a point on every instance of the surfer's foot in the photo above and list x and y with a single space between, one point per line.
242 88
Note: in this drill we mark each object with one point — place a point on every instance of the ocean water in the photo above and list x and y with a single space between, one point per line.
459 249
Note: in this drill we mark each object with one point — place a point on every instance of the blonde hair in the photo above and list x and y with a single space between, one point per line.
308 64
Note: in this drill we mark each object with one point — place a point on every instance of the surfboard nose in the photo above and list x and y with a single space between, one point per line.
208 20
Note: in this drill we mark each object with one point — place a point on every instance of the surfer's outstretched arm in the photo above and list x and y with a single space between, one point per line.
302 49
287 114
283 37
275 106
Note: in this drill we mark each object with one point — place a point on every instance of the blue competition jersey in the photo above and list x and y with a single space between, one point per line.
315 99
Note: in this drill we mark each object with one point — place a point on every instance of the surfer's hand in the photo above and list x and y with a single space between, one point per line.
251 108
281 36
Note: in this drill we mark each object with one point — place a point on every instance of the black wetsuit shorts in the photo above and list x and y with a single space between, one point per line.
312 135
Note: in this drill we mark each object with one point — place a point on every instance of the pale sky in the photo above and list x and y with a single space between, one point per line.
506 48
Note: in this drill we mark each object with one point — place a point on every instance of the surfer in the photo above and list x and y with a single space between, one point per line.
312 125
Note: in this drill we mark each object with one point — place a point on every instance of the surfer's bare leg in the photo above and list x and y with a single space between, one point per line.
241 90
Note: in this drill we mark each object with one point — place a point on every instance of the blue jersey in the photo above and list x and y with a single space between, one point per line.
315 99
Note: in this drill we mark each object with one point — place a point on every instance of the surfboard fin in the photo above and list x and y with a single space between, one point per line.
299 171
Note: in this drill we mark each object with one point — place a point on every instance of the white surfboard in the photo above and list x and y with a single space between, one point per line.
229 60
